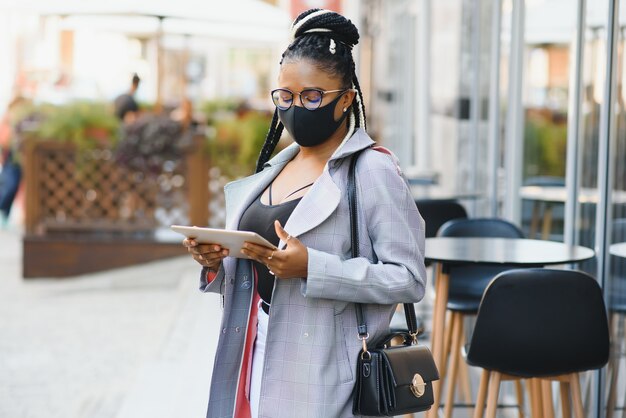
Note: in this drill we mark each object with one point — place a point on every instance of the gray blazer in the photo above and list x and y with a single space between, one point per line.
312 344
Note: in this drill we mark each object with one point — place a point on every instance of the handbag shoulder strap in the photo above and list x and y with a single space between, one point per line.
409 309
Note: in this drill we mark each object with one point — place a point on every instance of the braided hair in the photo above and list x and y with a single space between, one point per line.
326 39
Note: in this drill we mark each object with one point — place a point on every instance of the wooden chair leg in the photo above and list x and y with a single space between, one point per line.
457 332
565 400
519 391
612 374
447 341
439 310
546 399
547 222
482 394
492 397
611 370
464 378
534 388
534 221
576 396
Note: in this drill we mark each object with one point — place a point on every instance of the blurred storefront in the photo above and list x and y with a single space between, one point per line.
198 50
520 105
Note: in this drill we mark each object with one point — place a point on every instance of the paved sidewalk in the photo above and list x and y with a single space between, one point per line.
128 343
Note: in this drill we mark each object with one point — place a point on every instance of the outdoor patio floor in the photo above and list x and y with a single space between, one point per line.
126 343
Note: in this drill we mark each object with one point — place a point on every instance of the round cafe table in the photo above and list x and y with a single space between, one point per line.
522 253
618 250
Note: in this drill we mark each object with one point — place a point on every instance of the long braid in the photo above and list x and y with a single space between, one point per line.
271 140
362 121
313 33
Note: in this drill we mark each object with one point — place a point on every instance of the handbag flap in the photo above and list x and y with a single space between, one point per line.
405 361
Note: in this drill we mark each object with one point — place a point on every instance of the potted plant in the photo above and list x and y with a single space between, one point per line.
84 124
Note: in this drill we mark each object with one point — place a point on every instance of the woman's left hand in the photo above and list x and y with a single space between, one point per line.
292 262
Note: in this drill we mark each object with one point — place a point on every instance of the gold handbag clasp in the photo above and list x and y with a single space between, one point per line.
418 386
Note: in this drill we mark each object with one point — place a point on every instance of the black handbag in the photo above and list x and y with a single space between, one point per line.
390 379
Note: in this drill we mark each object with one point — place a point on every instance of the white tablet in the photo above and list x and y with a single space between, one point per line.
229 239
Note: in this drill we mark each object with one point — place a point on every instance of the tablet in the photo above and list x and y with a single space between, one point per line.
229 239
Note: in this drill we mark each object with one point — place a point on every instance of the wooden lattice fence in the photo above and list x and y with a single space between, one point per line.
88 197
91 192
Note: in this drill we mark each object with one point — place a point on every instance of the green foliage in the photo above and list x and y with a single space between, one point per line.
545 146
87 125
215 109
235 136
236 142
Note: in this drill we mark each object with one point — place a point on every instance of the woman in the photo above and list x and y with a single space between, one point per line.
289 345
10 169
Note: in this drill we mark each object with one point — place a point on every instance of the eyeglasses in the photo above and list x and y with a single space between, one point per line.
311 99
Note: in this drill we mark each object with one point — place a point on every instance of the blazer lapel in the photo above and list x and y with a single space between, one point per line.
240 193
314 208
324 197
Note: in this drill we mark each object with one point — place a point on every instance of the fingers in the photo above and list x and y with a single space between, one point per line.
259 253
289 263
200 260
207 249
282 234
208 255
211 260
189 242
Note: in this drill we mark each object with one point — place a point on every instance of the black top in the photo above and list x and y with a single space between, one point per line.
517 251
260 218
125 103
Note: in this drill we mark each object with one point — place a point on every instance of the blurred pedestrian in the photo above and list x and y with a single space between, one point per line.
184 114
126 106
289 343
11 172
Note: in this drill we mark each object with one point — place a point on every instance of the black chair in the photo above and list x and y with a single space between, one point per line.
529 327
467 284
437 212
617 311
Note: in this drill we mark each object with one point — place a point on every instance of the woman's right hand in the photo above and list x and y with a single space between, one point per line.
207 255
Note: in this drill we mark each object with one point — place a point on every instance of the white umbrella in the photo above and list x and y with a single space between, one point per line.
234 11
145 26
235 19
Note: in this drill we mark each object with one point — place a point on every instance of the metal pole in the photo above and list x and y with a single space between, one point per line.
159 77
494 105
423 152
475 102
606 170
574 127
515 116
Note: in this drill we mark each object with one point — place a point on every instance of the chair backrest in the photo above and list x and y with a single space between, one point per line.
541 322
480 227
438 212
471 280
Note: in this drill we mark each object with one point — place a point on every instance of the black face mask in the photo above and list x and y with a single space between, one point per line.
311 127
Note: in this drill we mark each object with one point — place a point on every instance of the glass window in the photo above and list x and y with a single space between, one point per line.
615 283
